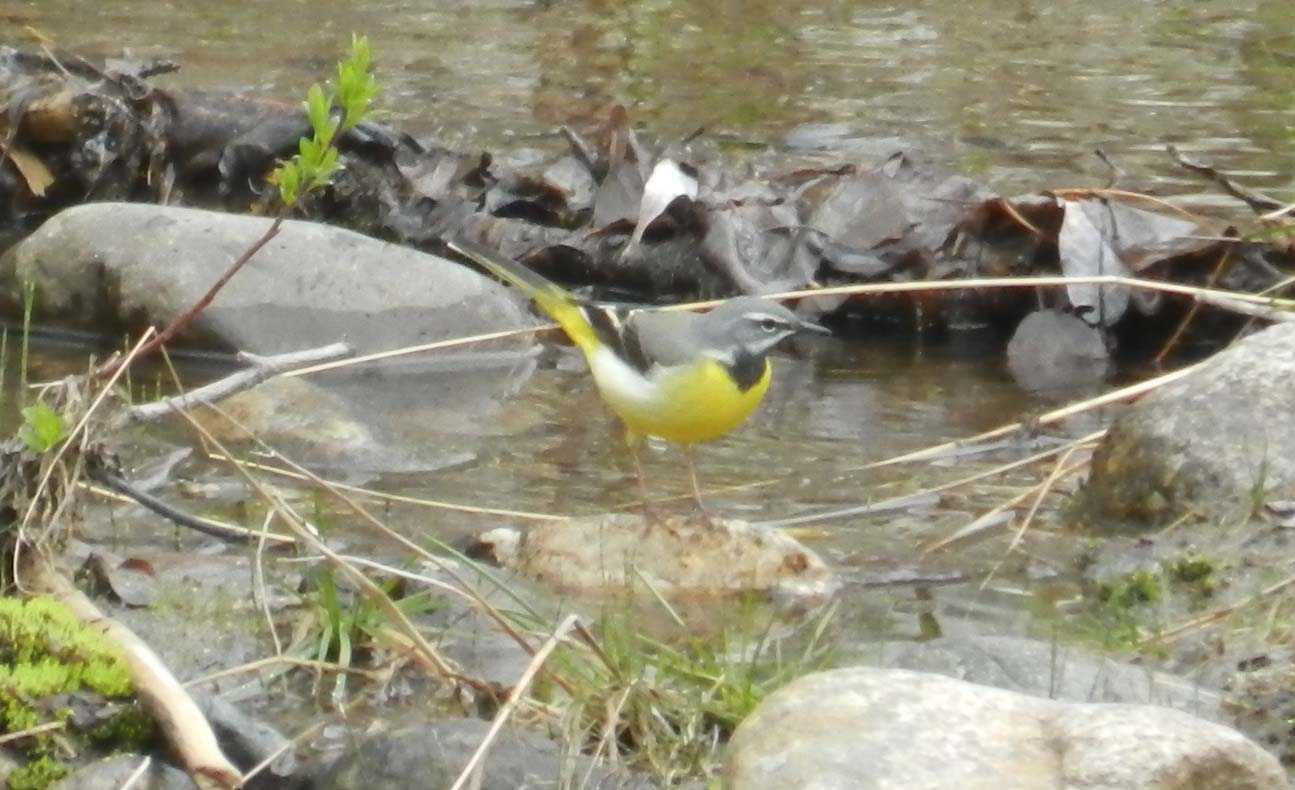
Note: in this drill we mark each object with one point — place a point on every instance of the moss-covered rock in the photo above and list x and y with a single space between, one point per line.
46 652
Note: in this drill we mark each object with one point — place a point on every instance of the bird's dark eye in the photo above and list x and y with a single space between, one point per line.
768 325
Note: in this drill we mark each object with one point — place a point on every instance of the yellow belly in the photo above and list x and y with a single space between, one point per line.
691 404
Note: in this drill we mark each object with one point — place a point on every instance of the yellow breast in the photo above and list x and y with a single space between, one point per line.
685 404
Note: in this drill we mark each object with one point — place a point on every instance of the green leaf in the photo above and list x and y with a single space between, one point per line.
42 428
287 176
318 107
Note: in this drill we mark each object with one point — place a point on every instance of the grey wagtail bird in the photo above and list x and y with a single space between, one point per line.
680 376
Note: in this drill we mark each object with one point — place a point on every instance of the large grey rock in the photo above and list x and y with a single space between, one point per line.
431 755
887 729
124 265
1044 669
1213 442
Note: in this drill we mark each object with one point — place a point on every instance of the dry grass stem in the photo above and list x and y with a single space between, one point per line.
18 735
515 696
306 534
1079 193
292 743
1222 612
382 496
135 775
281 661
438 345
1048 418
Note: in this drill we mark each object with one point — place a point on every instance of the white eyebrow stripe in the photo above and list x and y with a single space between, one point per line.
754 316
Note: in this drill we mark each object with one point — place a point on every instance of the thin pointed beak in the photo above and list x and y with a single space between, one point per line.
810 326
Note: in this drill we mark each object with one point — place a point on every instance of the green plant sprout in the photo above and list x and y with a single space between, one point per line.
41 428
352 93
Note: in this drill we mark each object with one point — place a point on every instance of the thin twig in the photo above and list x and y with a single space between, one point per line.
262 368
422 347
137 773
1257 201
384 496
1060 470
75 434
280 660
404 541
515 696
259 589
1219 614
1194 309
182 320
1083 192
274 755
18 735
865 289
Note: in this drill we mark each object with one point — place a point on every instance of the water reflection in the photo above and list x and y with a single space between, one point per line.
1018 93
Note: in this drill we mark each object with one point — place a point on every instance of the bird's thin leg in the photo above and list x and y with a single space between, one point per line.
634 441
691 454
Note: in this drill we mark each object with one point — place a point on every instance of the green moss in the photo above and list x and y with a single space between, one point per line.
37 774
45 651
1130 591
1195 571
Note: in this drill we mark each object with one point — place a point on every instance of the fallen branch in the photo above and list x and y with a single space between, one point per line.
1257 201
261 369
177 715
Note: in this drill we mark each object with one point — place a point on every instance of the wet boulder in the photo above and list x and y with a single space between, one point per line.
679 557
1053 354
1218 442
881 729
122 266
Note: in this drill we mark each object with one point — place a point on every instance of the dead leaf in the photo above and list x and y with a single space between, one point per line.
668 183
33 170
1085 249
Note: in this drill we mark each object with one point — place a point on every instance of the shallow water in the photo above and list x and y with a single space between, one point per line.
1017 94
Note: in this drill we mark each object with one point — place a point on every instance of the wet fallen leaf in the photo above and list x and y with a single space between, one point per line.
1085 249
669 182
33 170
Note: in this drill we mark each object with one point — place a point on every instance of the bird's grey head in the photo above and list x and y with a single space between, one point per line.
749 325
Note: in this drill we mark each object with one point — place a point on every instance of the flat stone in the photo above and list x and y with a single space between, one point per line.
678 557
